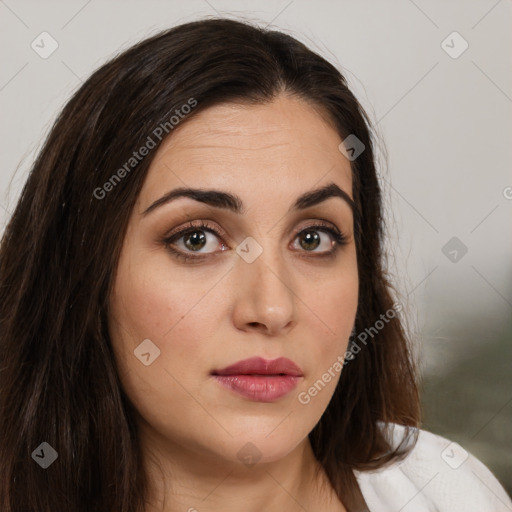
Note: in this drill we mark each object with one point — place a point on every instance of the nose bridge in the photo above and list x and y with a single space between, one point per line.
266 291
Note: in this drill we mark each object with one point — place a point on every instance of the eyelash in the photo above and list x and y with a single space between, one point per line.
338 236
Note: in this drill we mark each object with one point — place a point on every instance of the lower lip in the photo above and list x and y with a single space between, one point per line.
259 388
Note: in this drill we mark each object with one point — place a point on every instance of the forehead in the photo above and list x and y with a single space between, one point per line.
279 149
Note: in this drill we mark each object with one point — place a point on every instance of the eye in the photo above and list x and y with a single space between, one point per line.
310 239
193 242
195 238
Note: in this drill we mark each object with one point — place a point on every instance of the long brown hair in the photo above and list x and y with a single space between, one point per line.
60 250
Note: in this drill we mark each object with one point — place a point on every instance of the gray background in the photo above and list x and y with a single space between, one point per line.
444 126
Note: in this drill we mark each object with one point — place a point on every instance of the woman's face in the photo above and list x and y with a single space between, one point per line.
271 283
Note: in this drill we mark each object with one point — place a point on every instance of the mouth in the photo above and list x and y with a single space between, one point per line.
259 379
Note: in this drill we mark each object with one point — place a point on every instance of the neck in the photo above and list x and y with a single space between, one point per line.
182 479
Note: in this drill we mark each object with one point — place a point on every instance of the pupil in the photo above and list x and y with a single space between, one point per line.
312 239
196 237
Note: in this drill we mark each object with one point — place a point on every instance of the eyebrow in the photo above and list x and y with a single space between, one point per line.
234 203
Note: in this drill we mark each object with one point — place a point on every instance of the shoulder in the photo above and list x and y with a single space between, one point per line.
436 475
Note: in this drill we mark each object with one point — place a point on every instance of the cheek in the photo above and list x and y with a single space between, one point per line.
178 310
334 304
338 303
333 311
149 303
153 303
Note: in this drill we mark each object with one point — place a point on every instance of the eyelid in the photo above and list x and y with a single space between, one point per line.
196 224
317 223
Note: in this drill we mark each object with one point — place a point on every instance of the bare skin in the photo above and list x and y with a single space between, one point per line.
292 301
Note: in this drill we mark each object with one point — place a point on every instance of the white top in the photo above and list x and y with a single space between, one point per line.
436 476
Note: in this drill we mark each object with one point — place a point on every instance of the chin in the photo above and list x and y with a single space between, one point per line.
260 448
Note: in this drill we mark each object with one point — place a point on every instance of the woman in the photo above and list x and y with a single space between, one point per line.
194 311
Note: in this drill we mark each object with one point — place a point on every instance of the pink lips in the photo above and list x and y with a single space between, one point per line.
259 379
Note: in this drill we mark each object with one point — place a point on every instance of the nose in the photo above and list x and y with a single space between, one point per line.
264 299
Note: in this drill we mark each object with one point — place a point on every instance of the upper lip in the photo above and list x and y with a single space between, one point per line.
260 366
